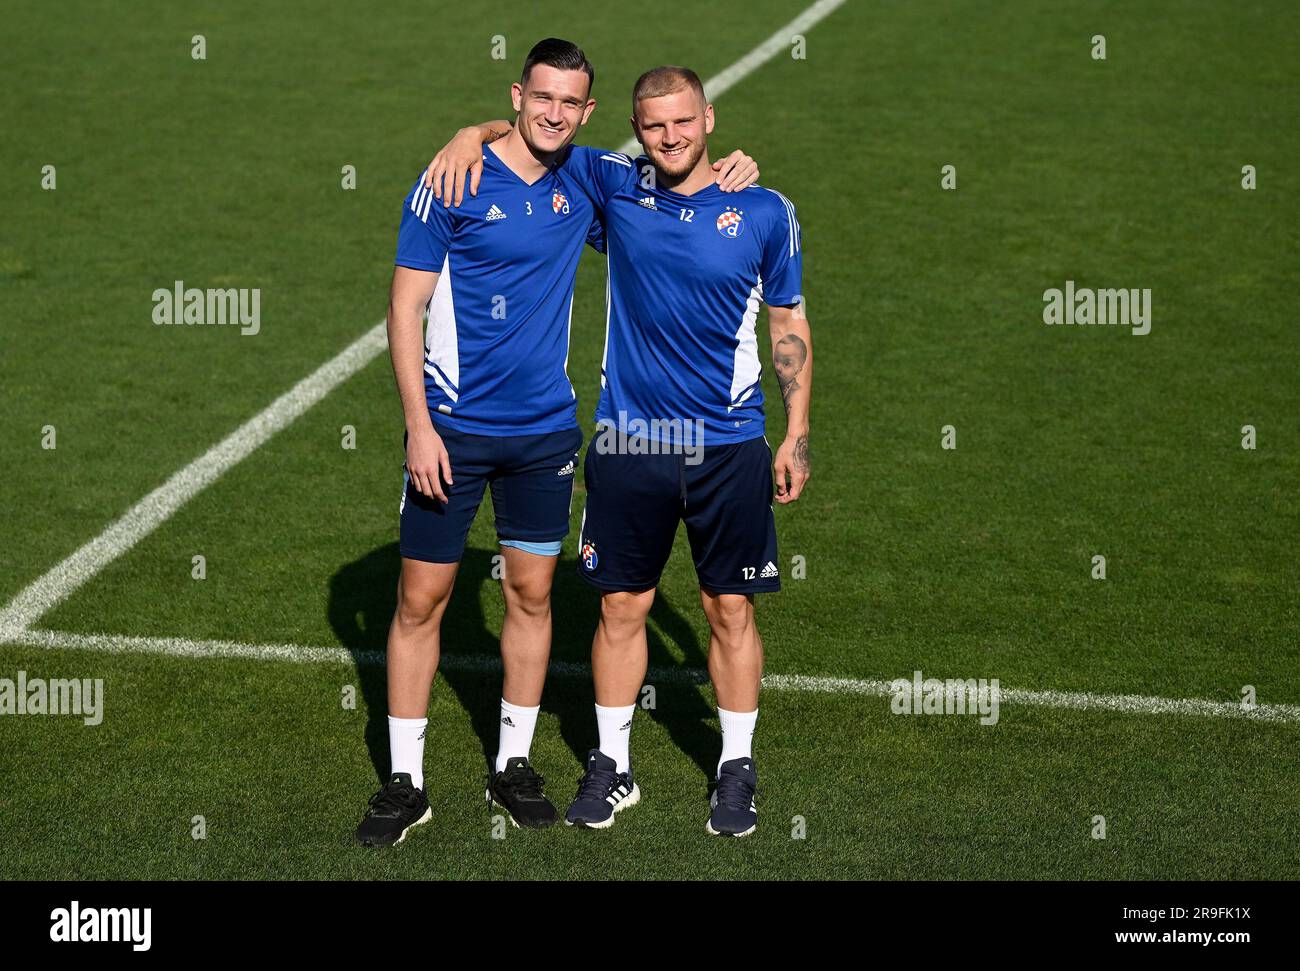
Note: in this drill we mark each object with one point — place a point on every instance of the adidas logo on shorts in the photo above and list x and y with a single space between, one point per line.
494 213
769 571
567 470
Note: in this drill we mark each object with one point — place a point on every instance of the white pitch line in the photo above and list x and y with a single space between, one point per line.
155 508
297 653
729 77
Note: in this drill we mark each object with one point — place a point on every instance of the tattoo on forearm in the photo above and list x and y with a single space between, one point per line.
801 460
494 134
788 358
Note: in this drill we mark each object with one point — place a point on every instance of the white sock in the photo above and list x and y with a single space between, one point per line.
615 726
516 737
406 747
737 734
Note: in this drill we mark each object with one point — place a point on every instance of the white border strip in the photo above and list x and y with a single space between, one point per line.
720 83
300 654
155 508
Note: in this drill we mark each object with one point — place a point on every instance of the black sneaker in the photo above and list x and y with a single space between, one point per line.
394 809
734 812
518 789
602 791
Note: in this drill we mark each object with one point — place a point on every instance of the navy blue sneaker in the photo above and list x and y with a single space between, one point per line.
734 813
602 791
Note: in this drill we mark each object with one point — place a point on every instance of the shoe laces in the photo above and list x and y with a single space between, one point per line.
596 784
735 792
392 799
523 781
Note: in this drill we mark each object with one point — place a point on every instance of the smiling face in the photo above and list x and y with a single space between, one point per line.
552 104
673 129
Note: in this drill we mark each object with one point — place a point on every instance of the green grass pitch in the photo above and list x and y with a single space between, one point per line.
926 308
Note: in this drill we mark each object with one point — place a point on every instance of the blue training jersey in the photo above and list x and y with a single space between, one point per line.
497 342
686 277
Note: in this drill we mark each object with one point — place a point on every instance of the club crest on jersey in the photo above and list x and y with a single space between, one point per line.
559 203
731 223
588 556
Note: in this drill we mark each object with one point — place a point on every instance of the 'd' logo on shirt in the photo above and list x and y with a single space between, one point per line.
731 223
559 203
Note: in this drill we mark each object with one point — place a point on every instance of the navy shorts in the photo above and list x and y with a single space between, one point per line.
531 477
634 503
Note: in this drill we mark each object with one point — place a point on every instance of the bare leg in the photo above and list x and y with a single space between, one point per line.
526 630
414 637
735 649
619 652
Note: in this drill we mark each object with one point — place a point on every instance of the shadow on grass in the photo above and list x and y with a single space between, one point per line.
363 595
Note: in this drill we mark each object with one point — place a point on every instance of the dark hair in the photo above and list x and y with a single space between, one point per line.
669 79
564 54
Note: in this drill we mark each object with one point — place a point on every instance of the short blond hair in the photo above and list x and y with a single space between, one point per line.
669 79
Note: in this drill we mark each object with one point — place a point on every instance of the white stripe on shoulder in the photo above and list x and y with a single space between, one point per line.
794 221
794 218
791 220
617 157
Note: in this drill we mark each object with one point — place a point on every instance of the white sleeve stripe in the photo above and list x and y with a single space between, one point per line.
620 159
420 204
790 206
789 215
792 222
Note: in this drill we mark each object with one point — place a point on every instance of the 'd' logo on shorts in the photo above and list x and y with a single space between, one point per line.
731 223
589 557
